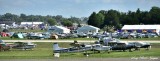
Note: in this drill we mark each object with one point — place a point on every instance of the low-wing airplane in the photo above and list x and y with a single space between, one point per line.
24 45
139 45
119 45
116 44
122 46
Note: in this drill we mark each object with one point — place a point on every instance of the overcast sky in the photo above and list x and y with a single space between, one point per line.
77 8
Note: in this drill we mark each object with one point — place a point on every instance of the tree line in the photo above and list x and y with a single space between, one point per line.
51 20
115 19
104 19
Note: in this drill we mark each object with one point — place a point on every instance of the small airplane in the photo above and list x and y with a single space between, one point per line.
58 49
24 45
119 45
116 44
99 48
4 46
77 47
139 45
122 46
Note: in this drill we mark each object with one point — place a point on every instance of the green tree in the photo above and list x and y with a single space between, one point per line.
96 19
155 15
52 22
112 17
67 23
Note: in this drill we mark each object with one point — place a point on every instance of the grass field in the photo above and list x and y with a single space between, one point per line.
44 50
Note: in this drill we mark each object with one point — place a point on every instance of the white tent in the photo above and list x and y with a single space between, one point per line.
142 27
59 29
87 29
30 23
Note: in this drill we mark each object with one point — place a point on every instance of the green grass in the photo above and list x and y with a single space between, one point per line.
44 50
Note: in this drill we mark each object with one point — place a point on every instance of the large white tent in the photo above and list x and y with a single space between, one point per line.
87 29
31 23
155 28
59 29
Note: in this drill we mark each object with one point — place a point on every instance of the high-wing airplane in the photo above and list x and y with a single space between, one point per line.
58 49
99 48
80 48
24 45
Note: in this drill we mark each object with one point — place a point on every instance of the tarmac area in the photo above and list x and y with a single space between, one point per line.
90 59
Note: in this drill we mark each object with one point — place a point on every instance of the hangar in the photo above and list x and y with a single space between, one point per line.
86 29
142 28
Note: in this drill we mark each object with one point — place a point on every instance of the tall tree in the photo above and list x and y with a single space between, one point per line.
67 22
155 15
96 19
52 21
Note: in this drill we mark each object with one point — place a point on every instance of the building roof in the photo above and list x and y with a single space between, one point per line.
61 27
141 27
31 23
88 27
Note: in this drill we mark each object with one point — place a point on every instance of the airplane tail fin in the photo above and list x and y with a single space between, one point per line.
56 46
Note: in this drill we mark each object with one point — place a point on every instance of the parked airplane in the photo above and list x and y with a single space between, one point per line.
58 49
139 45
80 48
122 46
4 46
116 44
119 45
24 45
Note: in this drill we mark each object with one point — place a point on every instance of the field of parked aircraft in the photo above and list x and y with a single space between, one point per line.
107 41
104 44
107 44
48 35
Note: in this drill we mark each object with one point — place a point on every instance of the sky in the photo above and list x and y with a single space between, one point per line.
74 8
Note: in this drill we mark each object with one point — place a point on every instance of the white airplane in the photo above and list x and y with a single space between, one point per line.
24 45
80 48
